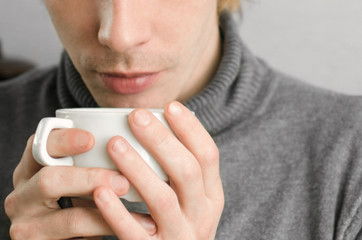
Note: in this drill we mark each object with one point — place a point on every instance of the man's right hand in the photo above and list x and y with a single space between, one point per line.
32 207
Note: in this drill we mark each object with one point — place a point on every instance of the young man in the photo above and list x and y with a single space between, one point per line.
266 157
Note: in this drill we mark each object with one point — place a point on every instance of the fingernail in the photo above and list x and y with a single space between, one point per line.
105 195
82 139
148 224
119 146
119 183
142 118
175 109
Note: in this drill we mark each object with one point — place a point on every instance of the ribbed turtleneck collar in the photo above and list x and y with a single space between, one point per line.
232 94
229 97
72 91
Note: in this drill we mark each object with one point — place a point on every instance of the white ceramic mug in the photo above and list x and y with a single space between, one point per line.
103 123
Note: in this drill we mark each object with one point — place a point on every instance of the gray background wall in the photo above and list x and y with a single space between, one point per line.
319 41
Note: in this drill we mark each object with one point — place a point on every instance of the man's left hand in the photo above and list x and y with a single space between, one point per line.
190 205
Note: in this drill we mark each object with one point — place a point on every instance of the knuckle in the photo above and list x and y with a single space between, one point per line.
17 174
191 172
218 205
71 137
163 139
29 144
167 201
208 221
16 232
57 142
74 220
30 141
95 175
220 196
91 174
45 178
220 210
205 231
218 201
210 155
21 231
10 204
221 205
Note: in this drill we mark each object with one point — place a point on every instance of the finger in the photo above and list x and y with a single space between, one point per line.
199 142
144 219
27 166
54 182
177 161
62 224
64 142
159 197
69 142
51 183
77 222
146 222
117 216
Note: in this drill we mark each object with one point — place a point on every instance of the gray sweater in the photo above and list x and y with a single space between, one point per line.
290 153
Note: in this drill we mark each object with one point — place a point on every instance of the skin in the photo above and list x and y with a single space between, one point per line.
179 39
130 36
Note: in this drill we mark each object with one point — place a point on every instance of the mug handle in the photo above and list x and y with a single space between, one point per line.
40 153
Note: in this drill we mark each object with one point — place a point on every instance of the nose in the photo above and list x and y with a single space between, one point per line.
123 25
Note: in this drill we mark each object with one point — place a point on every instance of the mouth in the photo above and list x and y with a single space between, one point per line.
129 83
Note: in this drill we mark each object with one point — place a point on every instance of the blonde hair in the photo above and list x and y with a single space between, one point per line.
228 5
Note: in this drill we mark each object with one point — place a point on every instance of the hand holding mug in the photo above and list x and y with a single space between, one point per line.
103 124
32 206
37 189
190 206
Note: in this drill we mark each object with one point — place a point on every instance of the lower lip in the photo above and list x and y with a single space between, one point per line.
128 85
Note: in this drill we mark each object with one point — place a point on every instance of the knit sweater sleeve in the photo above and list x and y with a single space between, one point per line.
337 145
349 207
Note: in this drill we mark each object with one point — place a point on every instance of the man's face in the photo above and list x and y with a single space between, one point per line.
139 53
